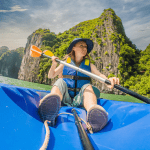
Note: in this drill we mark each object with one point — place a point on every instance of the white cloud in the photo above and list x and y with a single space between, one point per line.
60 15
128 10
133 9
13 37
59 18
129 1
138 31
13 9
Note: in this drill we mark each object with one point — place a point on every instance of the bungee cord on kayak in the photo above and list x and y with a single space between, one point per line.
47 135
88 126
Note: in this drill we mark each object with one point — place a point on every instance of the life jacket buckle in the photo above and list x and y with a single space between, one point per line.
75 77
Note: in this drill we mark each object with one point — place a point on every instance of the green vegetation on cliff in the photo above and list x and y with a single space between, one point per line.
128 62
141 82
3 49
10 62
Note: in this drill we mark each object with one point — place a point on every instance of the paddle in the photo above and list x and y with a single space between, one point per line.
36 52
82 133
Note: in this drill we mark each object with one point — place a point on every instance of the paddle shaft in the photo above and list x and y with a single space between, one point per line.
86 144
119 87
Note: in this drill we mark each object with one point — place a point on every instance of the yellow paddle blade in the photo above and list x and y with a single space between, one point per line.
48 53
35 51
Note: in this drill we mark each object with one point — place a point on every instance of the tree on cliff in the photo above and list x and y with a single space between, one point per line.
3 49
141 82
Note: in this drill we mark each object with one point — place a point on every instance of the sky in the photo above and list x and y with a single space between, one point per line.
19 18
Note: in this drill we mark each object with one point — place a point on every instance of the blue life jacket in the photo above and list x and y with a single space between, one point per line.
75 80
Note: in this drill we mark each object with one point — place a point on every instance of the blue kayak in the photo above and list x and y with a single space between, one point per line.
21 128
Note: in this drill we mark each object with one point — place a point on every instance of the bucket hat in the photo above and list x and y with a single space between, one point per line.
76 40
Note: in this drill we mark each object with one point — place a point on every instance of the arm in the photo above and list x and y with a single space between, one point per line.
95 71
113 80
53 72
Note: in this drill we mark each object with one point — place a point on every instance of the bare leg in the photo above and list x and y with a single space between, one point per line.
89 98
55 90
97 117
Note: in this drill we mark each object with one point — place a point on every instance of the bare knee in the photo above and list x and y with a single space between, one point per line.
55 90
89 97
89 89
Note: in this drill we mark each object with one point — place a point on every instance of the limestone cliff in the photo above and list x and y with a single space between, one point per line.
106 52
10 62
30 66
108 35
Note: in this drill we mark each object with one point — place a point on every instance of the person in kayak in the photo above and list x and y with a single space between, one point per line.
74 89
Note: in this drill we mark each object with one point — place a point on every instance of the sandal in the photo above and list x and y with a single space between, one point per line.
97 117
49 108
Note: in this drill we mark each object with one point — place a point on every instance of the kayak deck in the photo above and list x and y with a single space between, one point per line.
21 128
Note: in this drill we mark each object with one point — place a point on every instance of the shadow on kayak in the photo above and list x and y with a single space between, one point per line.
122 114
26 99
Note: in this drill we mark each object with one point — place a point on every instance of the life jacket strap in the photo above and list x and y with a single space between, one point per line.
76 77
72 89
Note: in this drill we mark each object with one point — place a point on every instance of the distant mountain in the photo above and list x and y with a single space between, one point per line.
10 62
3 49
